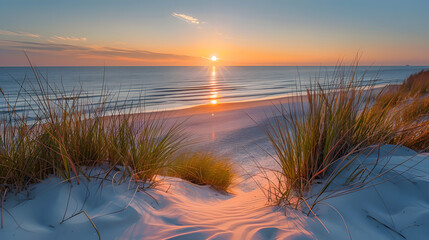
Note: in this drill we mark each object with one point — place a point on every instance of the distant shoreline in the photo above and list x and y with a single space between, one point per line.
239 105
146 89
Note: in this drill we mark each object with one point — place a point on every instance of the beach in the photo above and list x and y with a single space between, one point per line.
218 120
176 209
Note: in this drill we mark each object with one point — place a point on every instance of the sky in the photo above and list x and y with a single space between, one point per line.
181 33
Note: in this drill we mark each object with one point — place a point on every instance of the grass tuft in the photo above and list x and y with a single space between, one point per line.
144 146
336 119
204 168
72 134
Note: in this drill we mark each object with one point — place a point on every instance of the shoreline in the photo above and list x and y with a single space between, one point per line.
240 105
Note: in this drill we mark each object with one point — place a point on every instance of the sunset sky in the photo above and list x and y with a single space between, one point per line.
172 32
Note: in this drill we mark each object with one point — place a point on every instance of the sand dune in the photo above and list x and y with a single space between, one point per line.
393 209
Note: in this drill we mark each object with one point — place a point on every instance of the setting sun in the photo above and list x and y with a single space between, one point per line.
213 58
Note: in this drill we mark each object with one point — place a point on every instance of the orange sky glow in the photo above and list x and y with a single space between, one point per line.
256 33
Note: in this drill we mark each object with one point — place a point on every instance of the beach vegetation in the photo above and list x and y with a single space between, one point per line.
334 121
66 135
204 168
144 146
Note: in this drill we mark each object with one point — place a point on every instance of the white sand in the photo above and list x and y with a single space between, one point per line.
391 209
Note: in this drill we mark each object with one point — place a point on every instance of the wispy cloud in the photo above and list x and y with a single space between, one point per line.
68 38
19 34
186 18
39 46
86 51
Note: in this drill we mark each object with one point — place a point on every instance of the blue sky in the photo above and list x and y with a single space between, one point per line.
238 32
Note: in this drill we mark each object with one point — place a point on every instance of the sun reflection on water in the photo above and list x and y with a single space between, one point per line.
213 97
213 87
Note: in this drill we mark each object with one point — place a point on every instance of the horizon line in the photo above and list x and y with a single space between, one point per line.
351 65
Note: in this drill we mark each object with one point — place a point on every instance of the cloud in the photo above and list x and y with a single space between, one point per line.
39 46
89 51
68 38
19 34
186 18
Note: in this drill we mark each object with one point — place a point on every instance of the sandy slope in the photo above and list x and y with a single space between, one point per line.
394 209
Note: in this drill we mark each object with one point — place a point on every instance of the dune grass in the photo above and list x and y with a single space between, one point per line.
412 120
70 138
204 168
414 124
72 135
414 87
408 107
308 137
415 110
144 146
19 165
417 84
335 120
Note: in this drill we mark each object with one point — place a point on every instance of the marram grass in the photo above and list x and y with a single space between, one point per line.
336 119
204 168
144 146
72 135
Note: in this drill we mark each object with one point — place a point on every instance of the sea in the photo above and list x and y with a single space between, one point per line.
173 87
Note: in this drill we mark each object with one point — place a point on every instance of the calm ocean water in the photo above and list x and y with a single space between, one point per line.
163 88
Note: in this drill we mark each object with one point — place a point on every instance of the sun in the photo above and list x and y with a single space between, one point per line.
213 58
